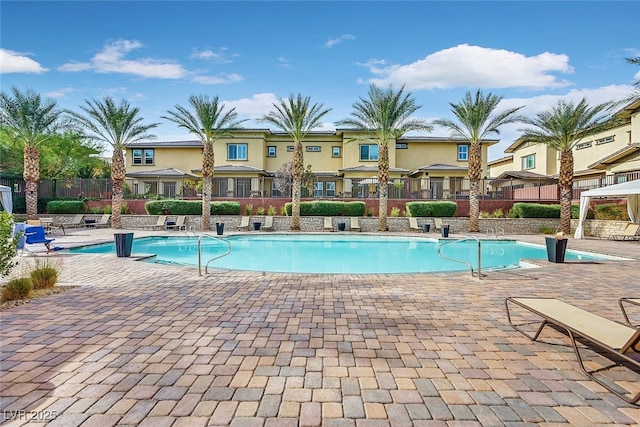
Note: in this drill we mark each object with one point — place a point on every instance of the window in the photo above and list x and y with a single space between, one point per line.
142 156
290 148
271 151
584 145
274 189
463 152
335 151
237 152
169 189
151 188
401 145
313 148
529 162
604 140
330 188
317 189
369 152
243 187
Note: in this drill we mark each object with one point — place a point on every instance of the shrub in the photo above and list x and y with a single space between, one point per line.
18 288
8 244
328 208
395 212
498 213
611 211
260 211
483 214
545 229
248 209
66 207
271 211
535 210
44 274
190 207
370 212
437 209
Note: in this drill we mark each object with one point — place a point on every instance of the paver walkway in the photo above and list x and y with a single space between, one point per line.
155 345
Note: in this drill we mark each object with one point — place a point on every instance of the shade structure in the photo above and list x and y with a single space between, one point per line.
7 202
630 190
369 181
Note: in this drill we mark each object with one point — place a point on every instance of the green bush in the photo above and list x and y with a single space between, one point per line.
19 288
44 274
328 208
8 244
271 211
535 210
395 212
436 209
611 211
190 207
66 207
248 209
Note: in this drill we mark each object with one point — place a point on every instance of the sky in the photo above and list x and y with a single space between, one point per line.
252 54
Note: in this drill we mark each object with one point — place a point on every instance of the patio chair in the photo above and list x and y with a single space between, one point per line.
35 235
622 302
615 341
629 233
328 224
159 225
437 224
104 221
77 221
268 224
244 224
355 223
177 225
413 224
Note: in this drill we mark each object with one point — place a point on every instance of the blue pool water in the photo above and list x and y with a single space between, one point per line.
315 253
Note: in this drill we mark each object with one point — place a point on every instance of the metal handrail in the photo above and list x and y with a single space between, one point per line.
212 259
441 245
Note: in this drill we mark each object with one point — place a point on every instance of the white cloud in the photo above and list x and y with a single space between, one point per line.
337 40
475 66
256 106
219 79
60 93
219 57
111 59
15 62
284 62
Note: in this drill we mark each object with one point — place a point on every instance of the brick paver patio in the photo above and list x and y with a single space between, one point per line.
155 345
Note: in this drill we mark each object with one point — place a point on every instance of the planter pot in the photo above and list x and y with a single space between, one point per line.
219 228
124 242
256 225
342 226
556 249
444 231
425 228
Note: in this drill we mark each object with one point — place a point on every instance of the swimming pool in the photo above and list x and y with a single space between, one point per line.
332 253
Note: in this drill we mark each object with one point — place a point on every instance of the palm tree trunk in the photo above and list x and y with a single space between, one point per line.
383 183
298 170
566 190
31 177
118 171
208 161
475 171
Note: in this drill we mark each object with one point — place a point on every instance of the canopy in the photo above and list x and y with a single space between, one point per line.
7 203
630 190
369 181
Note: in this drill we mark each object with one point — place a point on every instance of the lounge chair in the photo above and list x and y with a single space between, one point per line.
162 219
622 302
268 224
614 340
629 233
177 225
36 234
77 221
104 221
355 223
244 224
328 224
437 224
49 225
413 224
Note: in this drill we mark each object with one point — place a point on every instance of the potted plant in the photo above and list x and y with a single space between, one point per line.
219 227
556 247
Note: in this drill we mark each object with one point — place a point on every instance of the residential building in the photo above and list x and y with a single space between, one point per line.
343 164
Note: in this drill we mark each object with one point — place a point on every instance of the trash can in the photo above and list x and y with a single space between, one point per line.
342 226
257 225
20 227
219 228
124 242
556 249
444 230
425 227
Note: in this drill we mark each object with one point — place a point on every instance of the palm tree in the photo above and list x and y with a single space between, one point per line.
475 121
31 121
386 115
297 118
562 128
634 96
208 121
118 126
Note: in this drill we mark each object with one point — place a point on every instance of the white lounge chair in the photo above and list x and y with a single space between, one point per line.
162 219
268 224
178 225
75 222
413 224
104 221
629 233
437 224
328 224
355 223
244 224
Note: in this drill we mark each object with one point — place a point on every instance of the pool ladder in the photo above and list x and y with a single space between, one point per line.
215 257
495 232
450 242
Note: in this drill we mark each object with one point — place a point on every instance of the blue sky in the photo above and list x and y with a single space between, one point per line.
156 54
